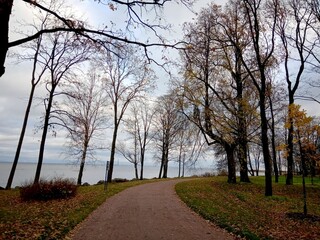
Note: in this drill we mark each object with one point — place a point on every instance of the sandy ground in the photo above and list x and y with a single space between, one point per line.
150 211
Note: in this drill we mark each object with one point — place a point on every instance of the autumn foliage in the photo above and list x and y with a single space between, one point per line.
306 134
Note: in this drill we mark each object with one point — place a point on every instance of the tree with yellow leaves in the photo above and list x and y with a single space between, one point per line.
306 134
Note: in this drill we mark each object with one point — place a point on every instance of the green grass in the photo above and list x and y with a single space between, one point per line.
244 210
241 208
51 219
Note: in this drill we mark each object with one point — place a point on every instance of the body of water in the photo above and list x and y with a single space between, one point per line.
92 173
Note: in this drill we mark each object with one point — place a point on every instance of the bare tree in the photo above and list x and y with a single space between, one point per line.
64 51
131 154
255 153
294 29
189 146
136 12
126 78
83 115
167 124
35 79
138 126
40 66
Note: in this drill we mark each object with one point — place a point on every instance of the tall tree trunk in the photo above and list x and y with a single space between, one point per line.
142 162
141 168
161 168
180 159
113 151
273 143
183 163
265 141
304 173
34 83
179 169
242 123
279 163
23 130
80 172
5 11
136 170
44 137
166 162
162 159
290 167
243 161
250 164
231 163
83 160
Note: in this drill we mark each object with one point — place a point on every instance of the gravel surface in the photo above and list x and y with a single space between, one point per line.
150 211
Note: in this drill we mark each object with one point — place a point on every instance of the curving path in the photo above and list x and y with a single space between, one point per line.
150 211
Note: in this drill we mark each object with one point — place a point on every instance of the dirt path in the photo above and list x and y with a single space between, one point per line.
150 211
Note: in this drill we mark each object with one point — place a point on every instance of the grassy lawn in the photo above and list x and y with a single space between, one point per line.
240 208
51 219
243 209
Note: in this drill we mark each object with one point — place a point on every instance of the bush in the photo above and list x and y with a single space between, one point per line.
208 174
222 172
48 190
119 180
100 182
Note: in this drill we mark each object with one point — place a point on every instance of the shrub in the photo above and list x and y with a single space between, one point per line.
223 172
100 182
120 180
48 189
208 174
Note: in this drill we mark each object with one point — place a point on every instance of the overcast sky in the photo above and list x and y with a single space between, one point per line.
15 84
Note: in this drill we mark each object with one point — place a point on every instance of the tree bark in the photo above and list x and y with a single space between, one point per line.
231 163
242 123
243 149
44 137
265 142
23 130
83 160
179 162
304 173
166 162
136 170
34 83
279 163
142 151
113 151
5 12
183 163
251 171
161 167
289 179
80 173
273 143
